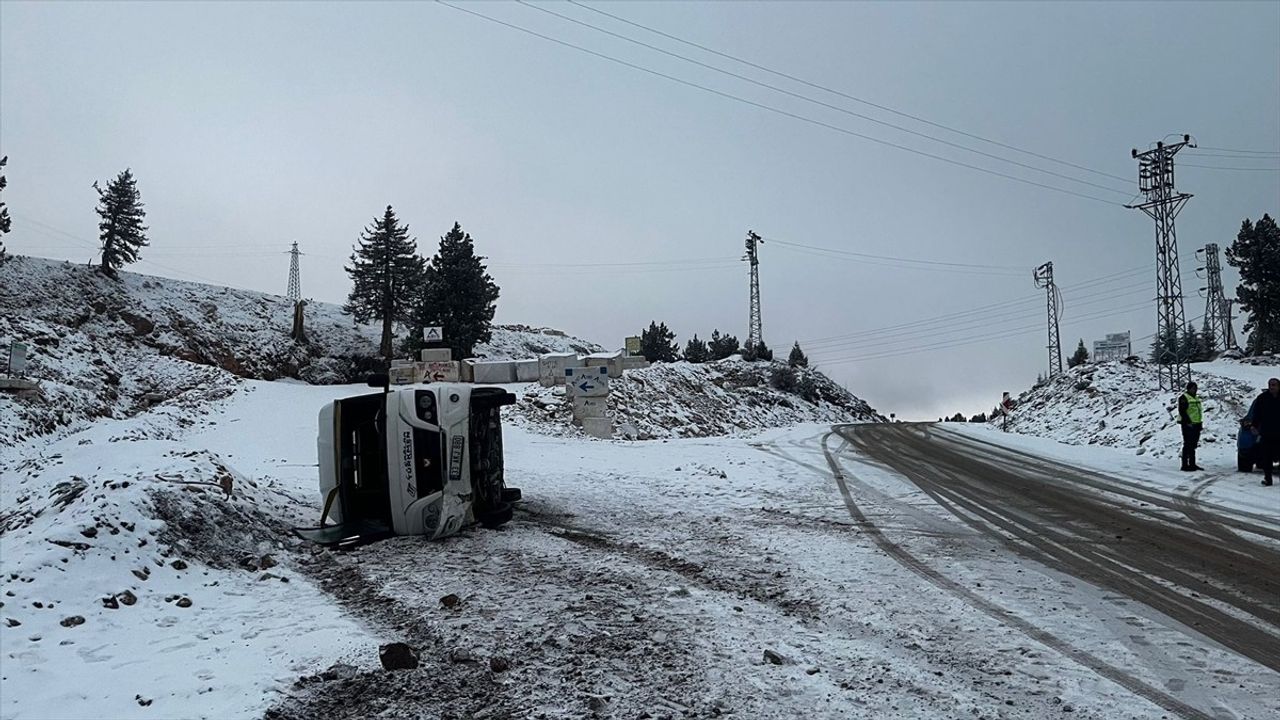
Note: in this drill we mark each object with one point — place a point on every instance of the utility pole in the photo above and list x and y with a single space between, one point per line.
1162 204
1217 309
295 277
756 333
295 295
1044 279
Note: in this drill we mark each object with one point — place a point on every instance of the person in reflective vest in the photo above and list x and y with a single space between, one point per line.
1191 417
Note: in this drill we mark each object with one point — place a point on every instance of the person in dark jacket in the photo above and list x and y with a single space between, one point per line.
1191 417
1265 412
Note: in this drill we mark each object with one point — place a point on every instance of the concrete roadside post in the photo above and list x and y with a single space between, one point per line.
588 387
14 379
17 366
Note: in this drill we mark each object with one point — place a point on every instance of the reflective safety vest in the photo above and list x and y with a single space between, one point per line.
1193 408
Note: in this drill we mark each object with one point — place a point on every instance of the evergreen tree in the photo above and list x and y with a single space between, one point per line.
696 351
1208 343
1080 356
1164 349
760 351
797 357
1256 253
120 225
1190 345
722 346
657 344
457 294
385 270
4 211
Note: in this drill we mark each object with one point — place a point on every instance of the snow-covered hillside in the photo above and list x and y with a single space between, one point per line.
1118 404
683 399
516 342
104 348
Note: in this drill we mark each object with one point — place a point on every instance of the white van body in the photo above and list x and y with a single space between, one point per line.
420 460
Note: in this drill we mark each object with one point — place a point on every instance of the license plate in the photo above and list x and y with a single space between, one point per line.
455 457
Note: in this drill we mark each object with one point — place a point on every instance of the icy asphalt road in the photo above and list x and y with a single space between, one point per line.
1209 571
896 571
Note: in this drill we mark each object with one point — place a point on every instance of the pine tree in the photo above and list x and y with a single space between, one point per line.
385 269
4 211
656 343
120 225
457 294
1256 253
1164 349
1208 343
696 351
797 357
1080 356
757 351
722 346
1190 345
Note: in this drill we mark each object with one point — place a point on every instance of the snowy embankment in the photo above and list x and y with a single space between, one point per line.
669 400
147 489
1120 405
103 348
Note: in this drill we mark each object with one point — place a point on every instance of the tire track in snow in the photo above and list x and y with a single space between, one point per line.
1005 617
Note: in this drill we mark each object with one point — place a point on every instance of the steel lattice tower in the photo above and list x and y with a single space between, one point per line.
295 277
1217 310
756 334
1163 202
1044 279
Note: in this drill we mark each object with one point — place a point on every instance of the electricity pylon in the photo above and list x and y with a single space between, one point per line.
755 334
1044 279
1162 204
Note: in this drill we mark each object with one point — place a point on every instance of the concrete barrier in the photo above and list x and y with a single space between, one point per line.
438 372
467 370
551 367
598 427
493 372
429 355
634 362
527 370
612 361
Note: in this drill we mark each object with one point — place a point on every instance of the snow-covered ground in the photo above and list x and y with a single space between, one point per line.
638 577
1119 405
146 568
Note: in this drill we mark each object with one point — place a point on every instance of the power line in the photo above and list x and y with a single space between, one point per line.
770 108
96 247
860 255
1218 167
982 309
846 95
1025 330
1229 150
987 322
820 103
1233 157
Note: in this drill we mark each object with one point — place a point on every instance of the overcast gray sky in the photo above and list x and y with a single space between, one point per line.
250 125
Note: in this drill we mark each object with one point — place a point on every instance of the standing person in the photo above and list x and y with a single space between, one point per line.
1265 412
1191 417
